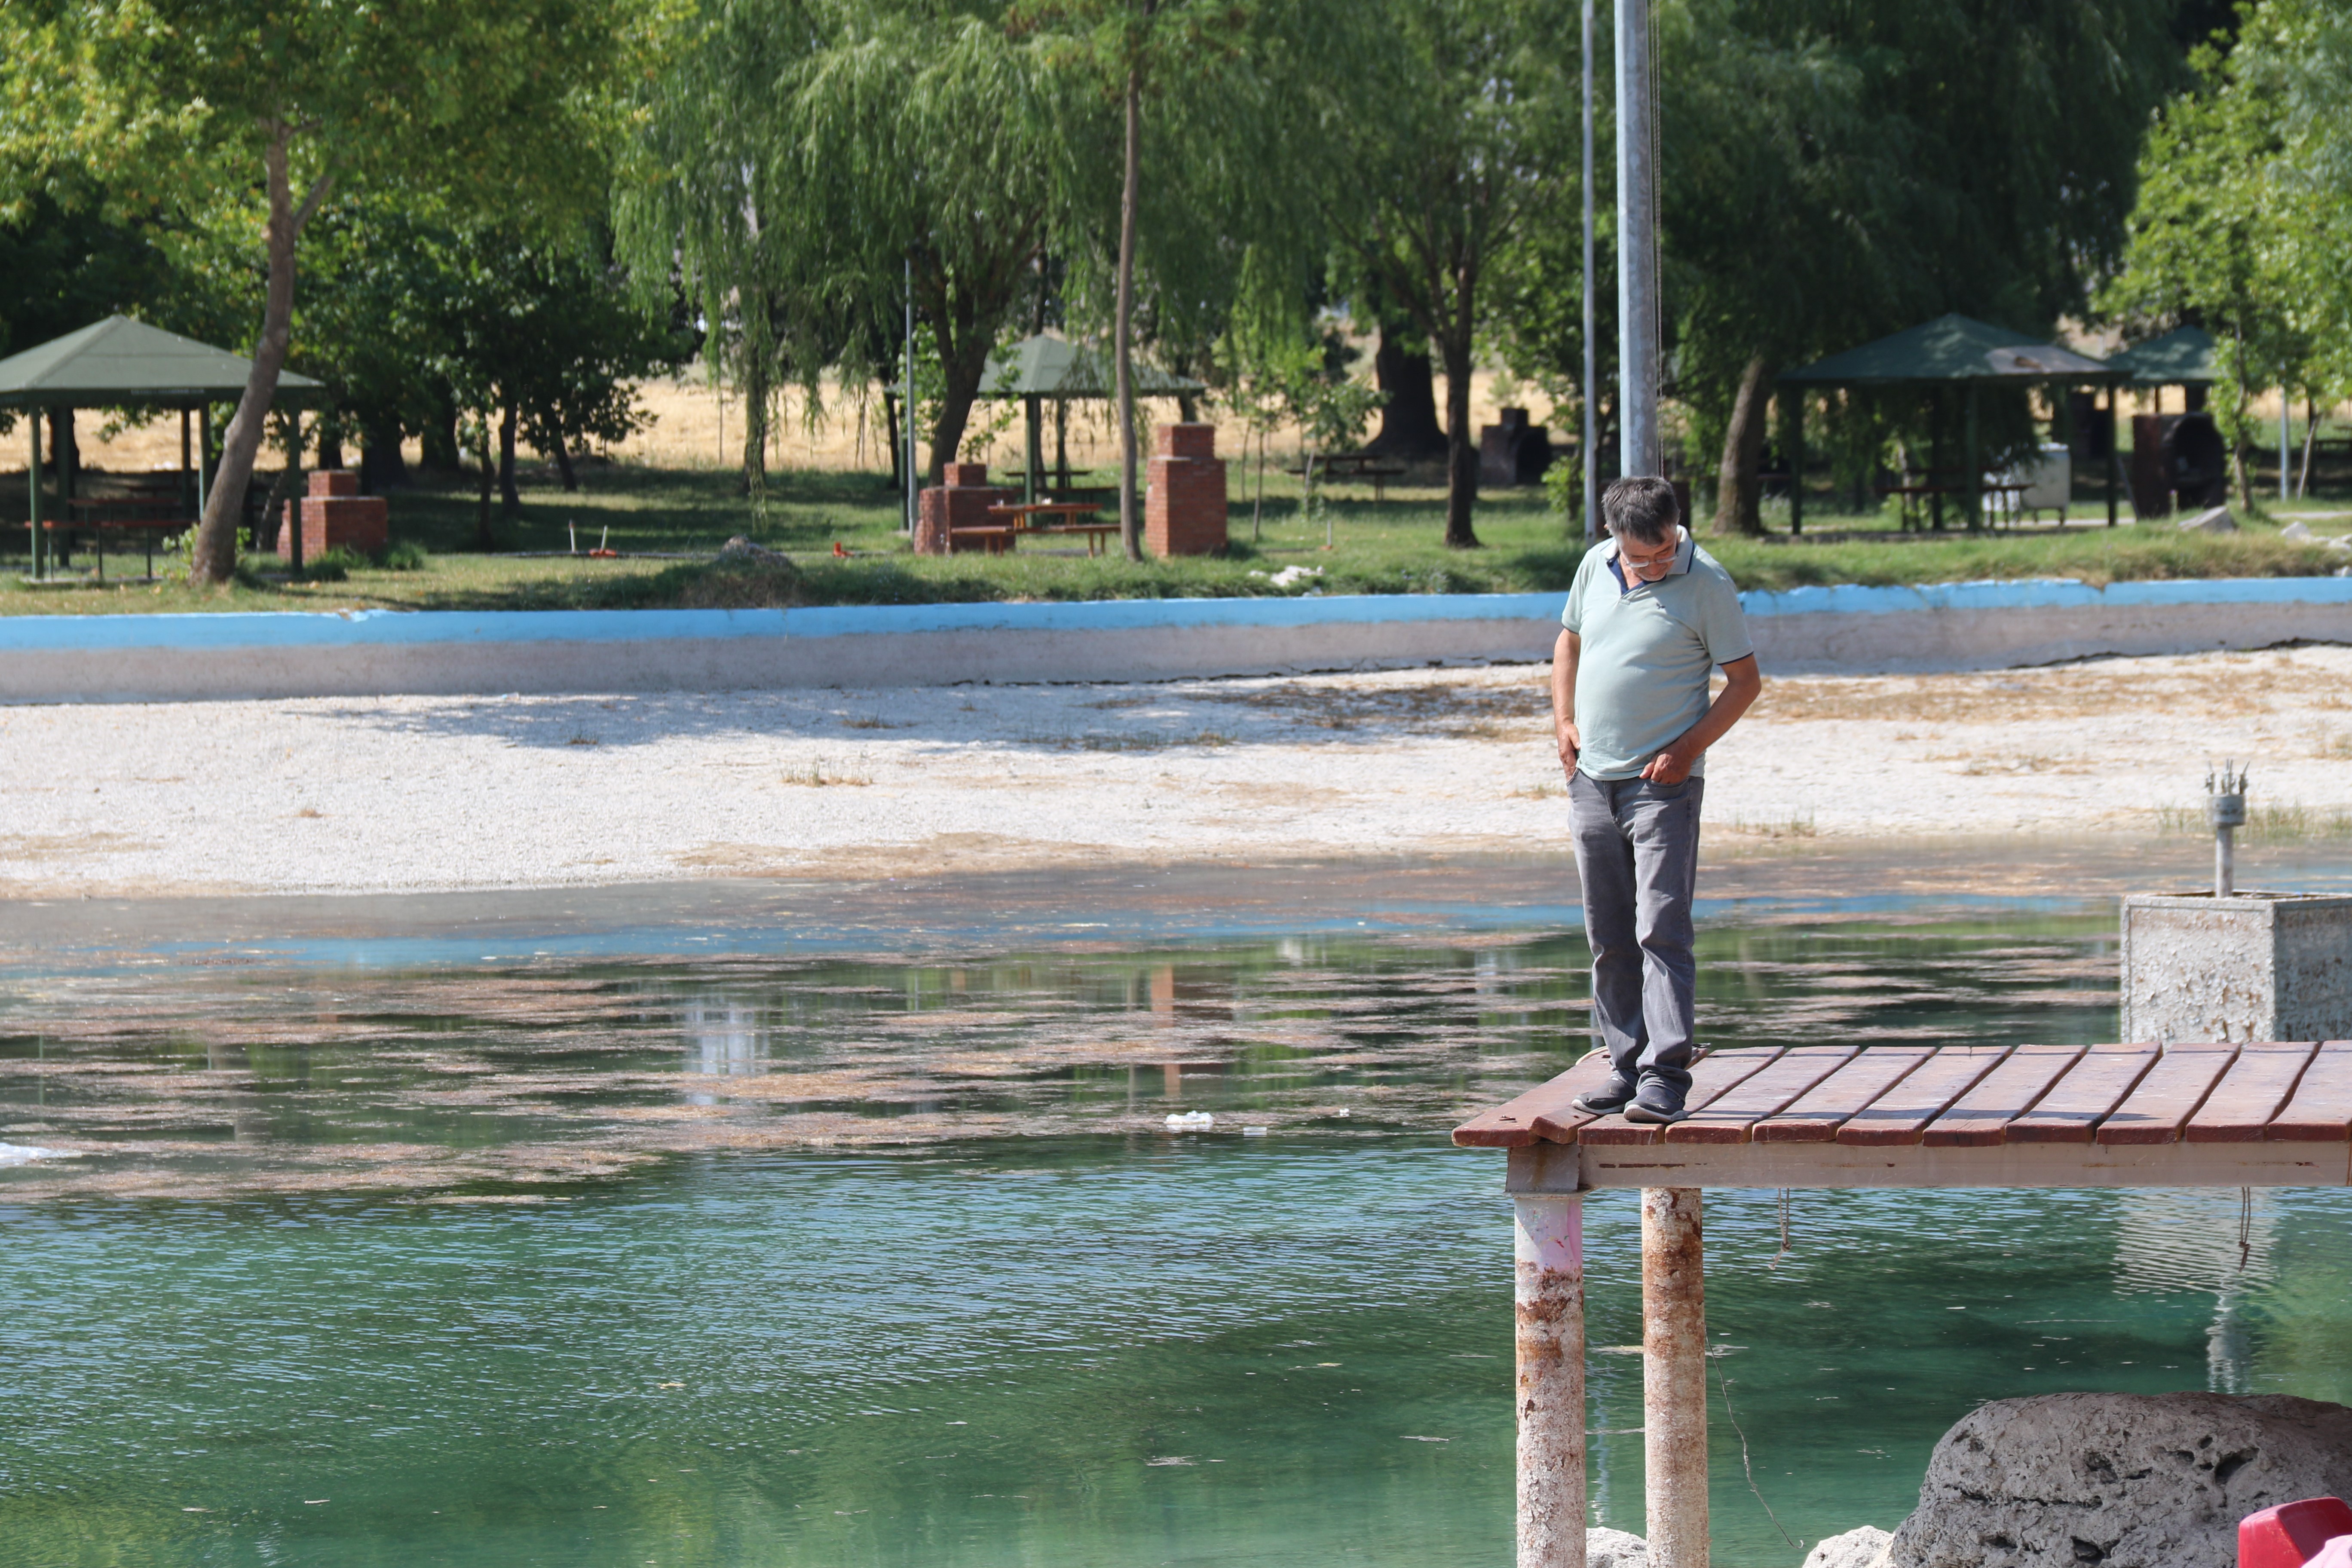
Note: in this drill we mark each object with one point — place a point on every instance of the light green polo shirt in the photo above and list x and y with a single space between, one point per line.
1647 652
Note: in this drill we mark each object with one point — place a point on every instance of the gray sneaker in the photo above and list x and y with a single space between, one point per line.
1659 1103
1610 1099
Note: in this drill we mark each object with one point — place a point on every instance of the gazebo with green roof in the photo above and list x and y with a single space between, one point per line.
2183 357
1950 350
123 363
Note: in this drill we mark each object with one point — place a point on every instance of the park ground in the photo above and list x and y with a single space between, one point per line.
665 503
350 795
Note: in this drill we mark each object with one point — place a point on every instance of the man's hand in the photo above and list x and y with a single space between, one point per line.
1571 744
1670 767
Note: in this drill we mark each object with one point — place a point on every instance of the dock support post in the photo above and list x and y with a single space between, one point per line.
1548 1302
1673 1376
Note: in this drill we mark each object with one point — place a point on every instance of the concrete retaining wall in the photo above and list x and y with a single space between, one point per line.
1848 630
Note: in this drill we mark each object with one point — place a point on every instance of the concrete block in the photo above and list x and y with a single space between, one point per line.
2253 966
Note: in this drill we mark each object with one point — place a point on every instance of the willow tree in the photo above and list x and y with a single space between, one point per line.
1460 132
258 109
810 162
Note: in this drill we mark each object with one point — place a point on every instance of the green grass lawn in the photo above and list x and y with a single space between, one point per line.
1387 547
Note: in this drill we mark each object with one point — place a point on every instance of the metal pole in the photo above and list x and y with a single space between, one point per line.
1673 1376
1548 1302
910 395
1591 356
1641 450
2287 444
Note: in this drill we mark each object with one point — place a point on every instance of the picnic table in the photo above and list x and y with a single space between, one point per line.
97 516
1021 521
1355 466
1910 495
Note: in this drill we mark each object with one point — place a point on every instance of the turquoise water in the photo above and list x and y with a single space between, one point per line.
749 1260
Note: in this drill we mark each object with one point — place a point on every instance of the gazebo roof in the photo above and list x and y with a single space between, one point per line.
119 362
1950 349
1048 366
2182 357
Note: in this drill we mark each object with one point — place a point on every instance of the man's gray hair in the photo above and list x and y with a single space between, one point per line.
1642 509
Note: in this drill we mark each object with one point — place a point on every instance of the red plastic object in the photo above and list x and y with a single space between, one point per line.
2293 1533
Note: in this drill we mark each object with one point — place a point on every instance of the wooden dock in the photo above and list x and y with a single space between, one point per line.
2222 1115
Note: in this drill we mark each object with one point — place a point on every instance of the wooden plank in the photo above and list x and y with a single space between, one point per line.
1728 1116
1815 1117
1980 1118
1712 1076
1902 1114
2073 1109
2260 1081
1513 1125
1551 1168
2164 1101
2321 1110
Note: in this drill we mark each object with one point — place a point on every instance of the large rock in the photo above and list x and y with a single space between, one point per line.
1614 1548
2213 519
1863 1547
2120 1479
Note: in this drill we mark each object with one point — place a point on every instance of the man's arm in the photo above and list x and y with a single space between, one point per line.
1742 682
1564 655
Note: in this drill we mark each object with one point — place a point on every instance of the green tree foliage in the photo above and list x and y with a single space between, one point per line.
1834 172
1459 130
2245 213
265 106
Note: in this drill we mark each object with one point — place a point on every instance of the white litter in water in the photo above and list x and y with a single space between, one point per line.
17 1153
1341 1111
1189 1120
1254 1131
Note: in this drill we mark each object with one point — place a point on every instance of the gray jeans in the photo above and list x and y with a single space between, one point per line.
1637 856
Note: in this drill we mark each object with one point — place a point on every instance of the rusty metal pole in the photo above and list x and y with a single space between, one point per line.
1549 1252
1673 1376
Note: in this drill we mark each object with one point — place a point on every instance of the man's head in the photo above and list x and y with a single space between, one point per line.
1643 518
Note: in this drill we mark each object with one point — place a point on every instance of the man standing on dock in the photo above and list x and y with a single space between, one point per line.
1648 619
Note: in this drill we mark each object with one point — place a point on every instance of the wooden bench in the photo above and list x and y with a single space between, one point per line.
1357 466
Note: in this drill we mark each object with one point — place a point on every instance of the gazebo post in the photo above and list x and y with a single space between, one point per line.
1548 1234
2115 450
1674 1377
1797 462
185 488
1029 475
1972 473
33 489
203 456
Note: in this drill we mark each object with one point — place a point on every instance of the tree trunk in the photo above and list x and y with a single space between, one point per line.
562 456
382 466
1461 449
1131 525
510 499
1409 426
440 448
964 362
1739 480
483 538
756 391
891 415
213 559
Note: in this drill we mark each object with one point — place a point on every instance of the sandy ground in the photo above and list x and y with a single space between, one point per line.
380 795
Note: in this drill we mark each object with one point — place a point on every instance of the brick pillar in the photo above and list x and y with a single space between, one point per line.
1185 512
334 513
961 502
